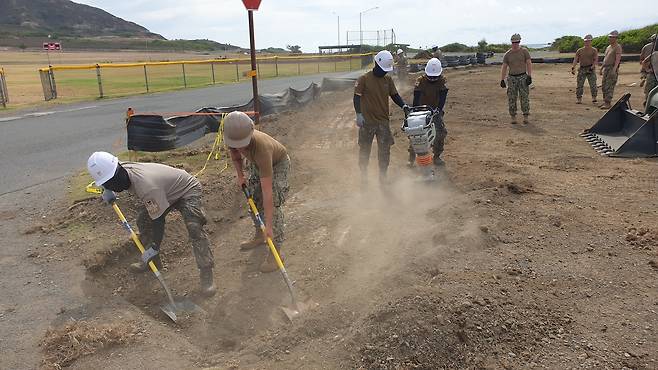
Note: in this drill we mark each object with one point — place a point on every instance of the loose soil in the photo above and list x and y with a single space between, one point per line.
531 251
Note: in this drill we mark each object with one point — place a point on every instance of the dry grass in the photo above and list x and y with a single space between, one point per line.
62 346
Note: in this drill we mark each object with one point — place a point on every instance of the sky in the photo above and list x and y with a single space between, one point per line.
310 23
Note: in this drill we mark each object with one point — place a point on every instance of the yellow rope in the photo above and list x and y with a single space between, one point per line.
216 147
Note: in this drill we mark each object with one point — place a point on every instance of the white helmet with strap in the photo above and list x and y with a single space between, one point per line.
433 68
384 60
400 51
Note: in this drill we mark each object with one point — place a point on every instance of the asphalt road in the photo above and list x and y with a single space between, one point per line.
46 145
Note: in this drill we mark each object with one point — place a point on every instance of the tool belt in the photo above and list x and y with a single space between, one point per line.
520 74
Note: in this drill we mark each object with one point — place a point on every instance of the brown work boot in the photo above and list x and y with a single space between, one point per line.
594 100
525 119
513 120
605 105
207 284
257 241
269 264
579 100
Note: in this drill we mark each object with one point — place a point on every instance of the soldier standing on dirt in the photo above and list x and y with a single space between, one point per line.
371 94
610 69
431 90
588 57
436 52
268 167
519 63
161 189
647 77
402 65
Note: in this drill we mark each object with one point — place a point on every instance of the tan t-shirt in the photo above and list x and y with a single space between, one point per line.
611 53
516 60
159 186
587 56
646 51
265 152
430 90
375 92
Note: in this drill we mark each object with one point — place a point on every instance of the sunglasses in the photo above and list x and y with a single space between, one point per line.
516 42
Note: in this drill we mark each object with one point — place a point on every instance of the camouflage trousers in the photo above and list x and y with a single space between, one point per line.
439 140
649 84
518 88
608 83
385 140
194 216
280 188
586 74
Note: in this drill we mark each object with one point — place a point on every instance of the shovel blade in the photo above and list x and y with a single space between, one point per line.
300 308
173 310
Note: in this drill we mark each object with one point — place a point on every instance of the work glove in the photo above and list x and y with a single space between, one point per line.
108 196
360 121
528 81
149 254
503 84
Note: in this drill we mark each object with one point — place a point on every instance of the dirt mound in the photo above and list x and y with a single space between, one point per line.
62 346
430 333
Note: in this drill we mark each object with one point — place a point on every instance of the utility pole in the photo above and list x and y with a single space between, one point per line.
252 5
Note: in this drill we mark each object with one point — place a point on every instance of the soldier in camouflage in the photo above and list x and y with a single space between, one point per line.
610 69
588 58
517 61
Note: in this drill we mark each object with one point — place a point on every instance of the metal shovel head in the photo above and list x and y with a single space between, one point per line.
300 308
179 307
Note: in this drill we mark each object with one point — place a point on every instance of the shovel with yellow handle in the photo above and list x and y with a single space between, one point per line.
297 307
171 308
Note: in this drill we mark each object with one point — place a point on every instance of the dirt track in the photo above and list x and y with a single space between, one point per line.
532 250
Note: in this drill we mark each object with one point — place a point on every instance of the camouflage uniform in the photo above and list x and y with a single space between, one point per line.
650 83
608 83
384 142
588 74
194 217
517 86
280 188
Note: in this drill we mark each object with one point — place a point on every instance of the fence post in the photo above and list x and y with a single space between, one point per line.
146 78
100 81
335 65
276 66
3 100
318 66
212 70
237 71
350 62
299 70
184 77
257 68
53 85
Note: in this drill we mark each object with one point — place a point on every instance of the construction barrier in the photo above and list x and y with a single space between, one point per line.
110 79
4 94
152 132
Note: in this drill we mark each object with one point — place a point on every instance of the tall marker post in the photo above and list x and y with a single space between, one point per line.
251 6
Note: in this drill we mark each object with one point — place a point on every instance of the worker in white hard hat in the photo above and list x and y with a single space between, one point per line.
371 94
161 189
268 167
401 65
431 90
436 52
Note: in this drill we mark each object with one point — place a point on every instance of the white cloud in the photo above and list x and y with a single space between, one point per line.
421 22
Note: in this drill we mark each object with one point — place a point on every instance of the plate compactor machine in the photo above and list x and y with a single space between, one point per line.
420 129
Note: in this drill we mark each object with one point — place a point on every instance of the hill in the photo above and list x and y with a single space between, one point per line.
64 18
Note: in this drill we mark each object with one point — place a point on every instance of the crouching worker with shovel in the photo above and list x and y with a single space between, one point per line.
161 189
268 166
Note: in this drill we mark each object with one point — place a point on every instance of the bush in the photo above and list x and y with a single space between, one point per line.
631 41
456 47
567 44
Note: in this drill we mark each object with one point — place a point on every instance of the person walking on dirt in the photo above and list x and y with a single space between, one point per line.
431 90
651 82
647 77
588 57
610 69
517 60
402 65
371 94
436 52
268 167
161 189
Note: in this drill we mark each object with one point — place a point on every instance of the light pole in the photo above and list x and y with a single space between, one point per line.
360 29
338 16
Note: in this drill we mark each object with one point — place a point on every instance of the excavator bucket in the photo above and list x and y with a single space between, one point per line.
625 132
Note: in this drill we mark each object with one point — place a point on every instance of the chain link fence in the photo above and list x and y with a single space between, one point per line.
111 80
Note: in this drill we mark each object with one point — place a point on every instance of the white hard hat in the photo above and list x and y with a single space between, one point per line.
384 60
400 51
433 68
102 166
